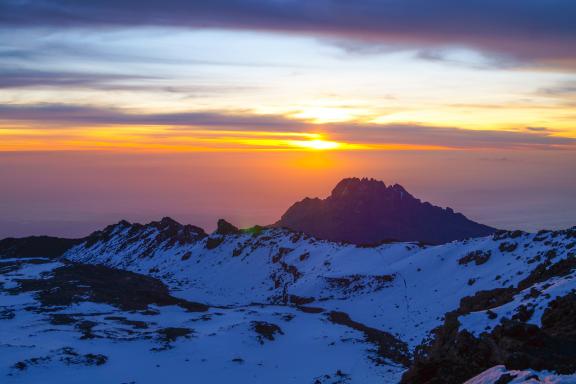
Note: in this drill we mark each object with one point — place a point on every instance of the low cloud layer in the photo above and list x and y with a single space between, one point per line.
54 116
61 115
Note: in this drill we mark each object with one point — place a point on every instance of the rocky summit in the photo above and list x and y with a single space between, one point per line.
367 212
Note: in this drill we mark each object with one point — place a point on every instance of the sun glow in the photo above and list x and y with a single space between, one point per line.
318 144
321 115
162 138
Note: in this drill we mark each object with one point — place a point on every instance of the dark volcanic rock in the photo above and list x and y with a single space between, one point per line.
266 330
389 347
36 246
456 356
171 334
79 282
225 228
66 355
366 211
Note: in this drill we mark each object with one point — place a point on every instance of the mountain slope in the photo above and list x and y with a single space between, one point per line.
366 211
275 305
406 291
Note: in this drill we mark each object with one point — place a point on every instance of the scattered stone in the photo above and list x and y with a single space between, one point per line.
266 330
479 257
507 247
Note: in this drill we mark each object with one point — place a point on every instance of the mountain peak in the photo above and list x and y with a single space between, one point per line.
168 222
354 185
366 188
366 211
167 229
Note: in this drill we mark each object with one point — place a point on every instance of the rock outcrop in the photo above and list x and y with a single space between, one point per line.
367 212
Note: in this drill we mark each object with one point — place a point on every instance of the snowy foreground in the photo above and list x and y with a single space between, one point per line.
266 306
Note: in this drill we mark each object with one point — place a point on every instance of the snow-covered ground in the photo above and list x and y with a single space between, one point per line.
289 284
402 288
222 345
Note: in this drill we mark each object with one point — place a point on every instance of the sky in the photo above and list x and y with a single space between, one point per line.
203 109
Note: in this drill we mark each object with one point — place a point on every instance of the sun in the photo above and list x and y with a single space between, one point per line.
317 144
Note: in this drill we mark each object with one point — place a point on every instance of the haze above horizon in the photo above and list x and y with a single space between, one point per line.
238 108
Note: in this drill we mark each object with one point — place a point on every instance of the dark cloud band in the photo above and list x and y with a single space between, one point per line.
52 116
532 30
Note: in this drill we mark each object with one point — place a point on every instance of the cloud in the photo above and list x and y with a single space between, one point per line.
539 129
565 89
563 94
31 78
42 50
540 32
478 62
52 116
451 137
18 78
61 115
